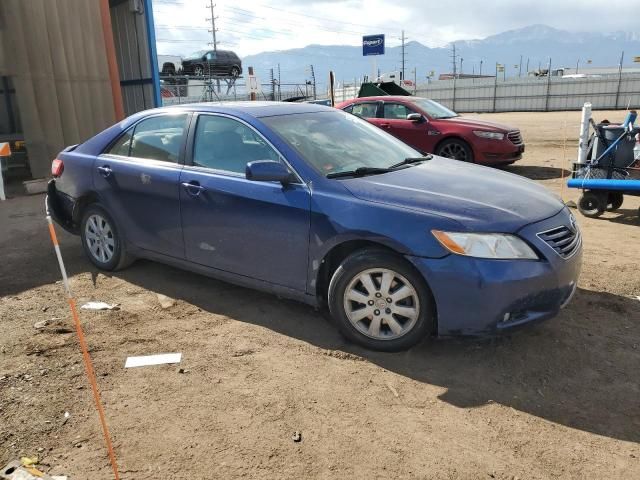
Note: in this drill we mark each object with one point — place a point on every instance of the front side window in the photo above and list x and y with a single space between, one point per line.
336 141
396 111
365 110
159 138
222 143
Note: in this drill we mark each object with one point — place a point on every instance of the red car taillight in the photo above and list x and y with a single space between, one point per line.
57 167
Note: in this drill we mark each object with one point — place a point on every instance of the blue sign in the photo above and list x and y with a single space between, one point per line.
373 45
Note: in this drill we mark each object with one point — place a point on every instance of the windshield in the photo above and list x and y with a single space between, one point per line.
198 54
434 109
336 141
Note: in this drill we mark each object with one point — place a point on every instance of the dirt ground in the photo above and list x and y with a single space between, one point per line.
559 400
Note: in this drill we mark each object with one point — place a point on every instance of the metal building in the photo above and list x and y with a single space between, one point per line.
70 68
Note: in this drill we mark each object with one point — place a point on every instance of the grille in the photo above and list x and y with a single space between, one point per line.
563 240
515 137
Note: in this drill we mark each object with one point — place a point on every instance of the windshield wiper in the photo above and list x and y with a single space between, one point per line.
358 172
410 160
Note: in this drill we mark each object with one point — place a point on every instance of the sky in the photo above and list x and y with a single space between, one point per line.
254 26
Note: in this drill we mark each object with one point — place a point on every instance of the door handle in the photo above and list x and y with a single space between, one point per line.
105 171
193 189
384 125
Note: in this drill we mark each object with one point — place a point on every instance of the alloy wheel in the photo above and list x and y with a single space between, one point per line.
100 238
381 304
454 151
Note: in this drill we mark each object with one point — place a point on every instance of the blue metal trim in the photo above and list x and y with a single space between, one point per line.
151 38
604 184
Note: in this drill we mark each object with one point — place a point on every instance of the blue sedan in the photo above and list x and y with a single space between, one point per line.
317 205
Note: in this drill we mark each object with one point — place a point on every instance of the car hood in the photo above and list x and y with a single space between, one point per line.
480 198
476 123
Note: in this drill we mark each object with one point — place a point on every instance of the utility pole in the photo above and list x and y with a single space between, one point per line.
461 60
520 67
454 59
313 78
577 64
527 66
403 55
272 80
481 62
279 91
214 42
213 18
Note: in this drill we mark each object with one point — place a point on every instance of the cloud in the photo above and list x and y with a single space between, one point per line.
250 27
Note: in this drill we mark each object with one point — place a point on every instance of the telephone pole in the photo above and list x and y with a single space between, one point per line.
403 55
213 18
454 59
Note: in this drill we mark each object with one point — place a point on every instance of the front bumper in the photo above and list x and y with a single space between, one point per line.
484 297
491 152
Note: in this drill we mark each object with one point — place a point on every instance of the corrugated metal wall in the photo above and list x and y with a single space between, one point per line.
54 50
535 94
131 39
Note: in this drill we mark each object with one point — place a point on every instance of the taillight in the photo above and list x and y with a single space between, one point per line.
57 167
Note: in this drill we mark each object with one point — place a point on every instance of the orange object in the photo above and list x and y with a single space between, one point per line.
5 149
109 45
88 365
447 242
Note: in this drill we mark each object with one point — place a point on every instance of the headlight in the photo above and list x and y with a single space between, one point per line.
485 245
489 135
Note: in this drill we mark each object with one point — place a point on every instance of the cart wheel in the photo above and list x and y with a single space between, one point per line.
592 204
614 201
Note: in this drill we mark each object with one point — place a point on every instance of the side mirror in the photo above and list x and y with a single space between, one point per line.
268 171
415 117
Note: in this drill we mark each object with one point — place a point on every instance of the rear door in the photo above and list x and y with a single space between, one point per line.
412 133
255 229
137 182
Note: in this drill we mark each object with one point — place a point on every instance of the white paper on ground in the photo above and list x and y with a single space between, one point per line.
99 306
153 360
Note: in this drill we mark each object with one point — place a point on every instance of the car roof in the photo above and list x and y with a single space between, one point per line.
255 109
395 98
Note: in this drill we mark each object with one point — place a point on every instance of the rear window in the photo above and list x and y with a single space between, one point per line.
365 110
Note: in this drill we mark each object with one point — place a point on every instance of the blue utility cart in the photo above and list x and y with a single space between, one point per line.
611 172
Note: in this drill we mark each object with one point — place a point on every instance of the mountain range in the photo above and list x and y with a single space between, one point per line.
534 44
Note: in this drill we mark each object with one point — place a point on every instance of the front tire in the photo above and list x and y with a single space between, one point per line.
379 301
456 150
198 71
101 239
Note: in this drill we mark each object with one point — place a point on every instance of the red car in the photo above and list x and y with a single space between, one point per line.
432 128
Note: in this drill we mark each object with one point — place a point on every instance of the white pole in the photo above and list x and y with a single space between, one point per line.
2 196
584 133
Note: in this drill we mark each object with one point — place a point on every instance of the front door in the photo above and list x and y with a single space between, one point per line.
137 182
412 133
255 229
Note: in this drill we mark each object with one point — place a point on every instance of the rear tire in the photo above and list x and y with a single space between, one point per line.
101 240
592 204
380 302
456 150
235 72
198 71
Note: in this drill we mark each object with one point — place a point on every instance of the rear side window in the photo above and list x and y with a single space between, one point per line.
156 138
222 143
365 110
396 111
159 138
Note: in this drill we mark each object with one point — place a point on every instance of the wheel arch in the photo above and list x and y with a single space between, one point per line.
80 205
339 252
